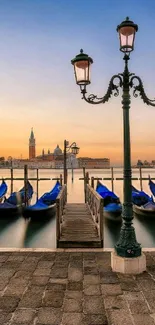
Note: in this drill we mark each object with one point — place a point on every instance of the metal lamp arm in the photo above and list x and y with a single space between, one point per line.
112 89
140 88
69 147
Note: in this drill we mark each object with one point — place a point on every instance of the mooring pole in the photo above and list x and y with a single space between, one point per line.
11 171
26 185
61 179
37 183
140 174
92 182
112 179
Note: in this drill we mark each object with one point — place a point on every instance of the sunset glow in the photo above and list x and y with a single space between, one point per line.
37 86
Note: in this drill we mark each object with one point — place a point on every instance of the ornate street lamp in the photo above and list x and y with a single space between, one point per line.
127 246
74 149
82 63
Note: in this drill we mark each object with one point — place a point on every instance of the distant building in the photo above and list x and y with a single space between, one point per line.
93 162
55 159
145 164
2 161
57 151
32 145
139 163
19 163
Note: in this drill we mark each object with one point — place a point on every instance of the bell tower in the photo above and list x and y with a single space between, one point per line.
32 145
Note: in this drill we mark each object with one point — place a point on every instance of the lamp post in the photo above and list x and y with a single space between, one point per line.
75 150
71 161
127 245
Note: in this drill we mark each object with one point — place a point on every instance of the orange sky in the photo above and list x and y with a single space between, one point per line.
37 82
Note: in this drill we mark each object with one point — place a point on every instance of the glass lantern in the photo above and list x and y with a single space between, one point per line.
127 30
82 63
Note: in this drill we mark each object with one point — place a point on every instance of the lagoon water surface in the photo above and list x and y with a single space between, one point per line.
20 233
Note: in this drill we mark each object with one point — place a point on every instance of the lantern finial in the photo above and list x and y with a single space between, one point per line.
127 18
81 51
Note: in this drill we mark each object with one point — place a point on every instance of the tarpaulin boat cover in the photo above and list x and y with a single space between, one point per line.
46 199
50 197
39 205
104 191
13 197
111 200
152 187
140 197
3 189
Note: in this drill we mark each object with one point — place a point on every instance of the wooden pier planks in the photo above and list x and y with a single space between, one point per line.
78 228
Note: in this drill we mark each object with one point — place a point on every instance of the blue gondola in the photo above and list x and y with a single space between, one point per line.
112 205
143 204
152 186
140 198
3 190
45 207
11 207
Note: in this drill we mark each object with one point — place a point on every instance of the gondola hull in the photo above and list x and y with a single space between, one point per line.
114 216
10 212
45 207
113 213
144 212
43 214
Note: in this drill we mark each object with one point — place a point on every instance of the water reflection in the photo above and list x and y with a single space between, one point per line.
111 232
40 234
12 232
18 233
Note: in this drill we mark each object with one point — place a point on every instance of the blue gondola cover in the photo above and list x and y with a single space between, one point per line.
111 200
13 197
46 199
140 197
152 186
3 189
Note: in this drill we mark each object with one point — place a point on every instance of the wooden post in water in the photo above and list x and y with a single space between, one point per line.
25 185
140 174
87 178
57 222
61 179
101 221
86 182
65 164
92 182
11 170
112 179
72 174
37 183
84 176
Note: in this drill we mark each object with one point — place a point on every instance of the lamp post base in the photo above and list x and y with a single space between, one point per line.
127 245
131 265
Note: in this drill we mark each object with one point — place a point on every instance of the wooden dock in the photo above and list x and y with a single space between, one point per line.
78 228
77 225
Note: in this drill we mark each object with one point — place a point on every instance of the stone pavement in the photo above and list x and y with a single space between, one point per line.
73 288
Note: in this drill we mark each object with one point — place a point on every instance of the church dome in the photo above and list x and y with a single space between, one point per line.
57 151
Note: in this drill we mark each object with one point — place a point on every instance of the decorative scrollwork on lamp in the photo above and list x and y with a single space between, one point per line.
113 89
140 88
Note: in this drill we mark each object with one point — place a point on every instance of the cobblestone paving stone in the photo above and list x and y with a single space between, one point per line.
73 288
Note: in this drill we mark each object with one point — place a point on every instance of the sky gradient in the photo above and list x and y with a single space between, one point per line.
37 87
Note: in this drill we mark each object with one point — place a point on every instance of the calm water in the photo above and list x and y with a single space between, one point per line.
19 233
